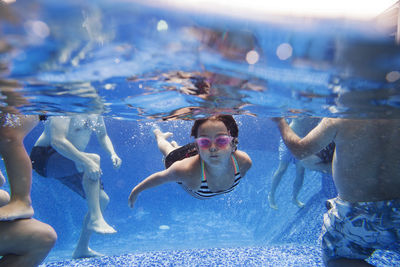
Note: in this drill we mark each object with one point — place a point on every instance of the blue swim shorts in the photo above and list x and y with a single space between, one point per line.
356 230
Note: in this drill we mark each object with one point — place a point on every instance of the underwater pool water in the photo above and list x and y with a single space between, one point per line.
169 227
143 67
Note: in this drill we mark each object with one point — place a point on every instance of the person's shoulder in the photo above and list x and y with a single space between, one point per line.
185 168
243 159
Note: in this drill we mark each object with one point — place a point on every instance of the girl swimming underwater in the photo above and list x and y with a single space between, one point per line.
210 166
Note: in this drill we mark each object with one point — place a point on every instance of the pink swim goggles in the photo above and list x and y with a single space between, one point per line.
221 141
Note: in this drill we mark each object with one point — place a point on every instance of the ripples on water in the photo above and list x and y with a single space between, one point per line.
130 61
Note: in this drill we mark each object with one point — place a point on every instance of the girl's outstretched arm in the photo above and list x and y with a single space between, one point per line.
156 179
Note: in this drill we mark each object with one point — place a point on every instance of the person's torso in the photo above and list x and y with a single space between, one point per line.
79 131
366 165
203 184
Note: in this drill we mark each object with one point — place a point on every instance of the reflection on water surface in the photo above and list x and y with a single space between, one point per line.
192 64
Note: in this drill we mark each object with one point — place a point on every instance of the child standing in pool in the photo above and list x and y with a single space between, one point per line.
211 166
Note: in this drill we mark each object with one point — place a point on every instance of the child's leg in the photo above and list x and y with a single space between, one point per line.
276 179
298 184
164 146
19 169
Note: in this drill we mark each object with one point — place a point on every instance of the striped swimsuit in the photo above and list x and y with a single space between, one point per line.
204 192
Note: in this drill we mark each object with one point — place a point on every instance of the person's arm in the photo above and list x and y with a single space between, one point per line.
244 161
105 142
172 174
59 127
313 142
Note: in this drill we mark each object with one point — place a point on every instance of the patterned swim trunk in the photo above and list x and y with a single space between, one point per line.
356 230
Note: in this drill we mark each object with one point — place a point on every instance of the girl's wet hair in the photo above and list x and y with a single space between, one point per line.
228 121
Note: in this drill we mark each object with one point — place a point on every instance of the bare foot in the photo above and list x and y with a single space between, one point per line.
298 203
272 203
100 226
174 144
16 210
157 132
85 253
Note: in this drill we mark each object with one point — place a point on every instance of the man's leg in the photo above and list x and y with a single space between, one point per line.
19 168
162 143
25 242
82 249
92 190
276 179
298 184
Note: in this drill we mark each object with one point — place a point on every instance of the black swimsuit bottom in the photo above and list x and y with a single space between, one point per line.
181 153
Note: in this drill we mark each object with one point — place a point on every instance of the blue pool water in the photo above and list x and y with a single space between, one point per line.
169 227
118 58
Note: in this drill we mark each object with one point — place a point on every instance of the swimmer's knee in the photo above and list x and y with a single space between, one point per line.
50 237
94 157
46 236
